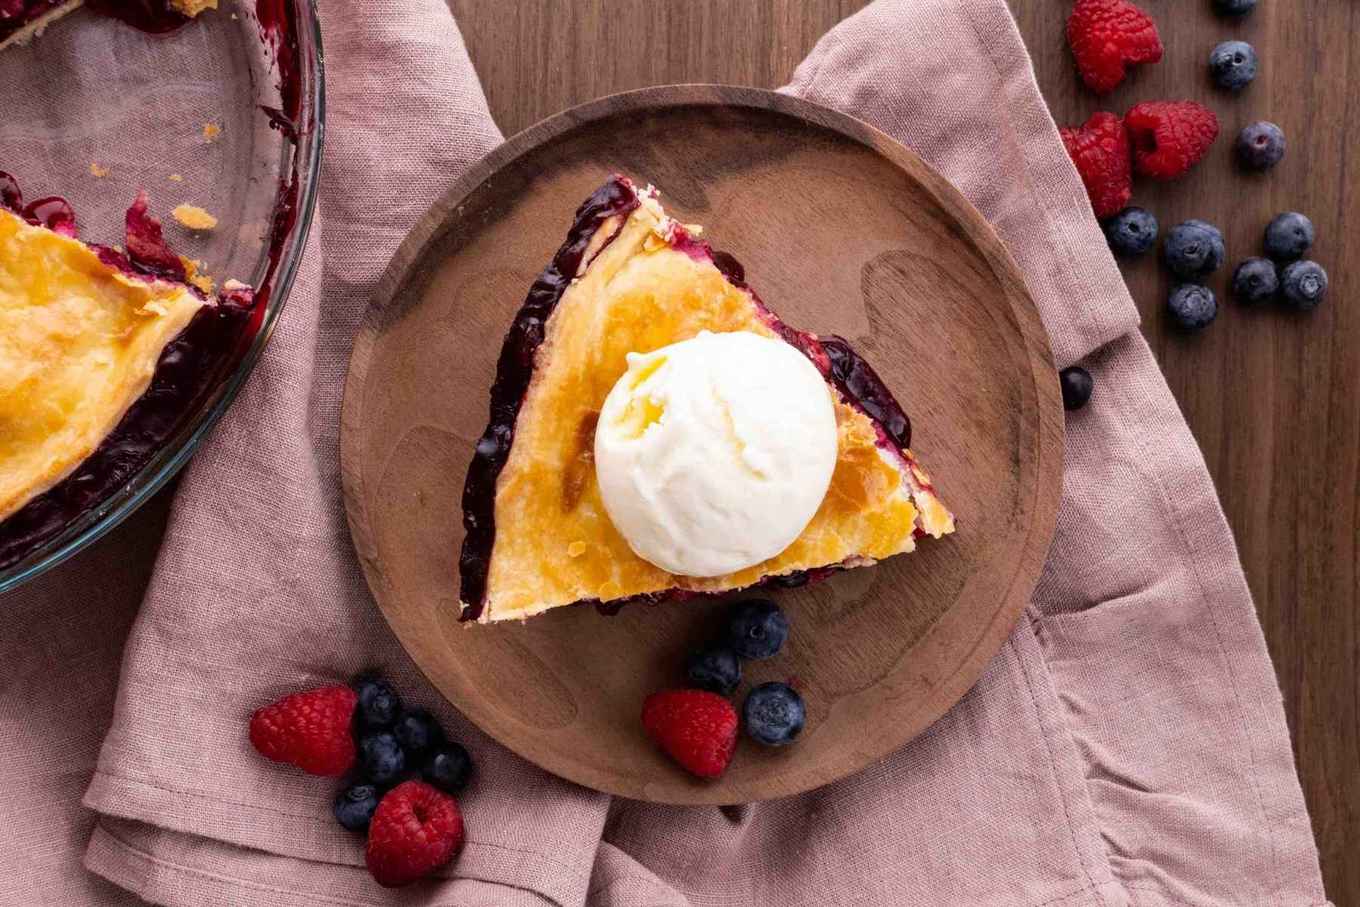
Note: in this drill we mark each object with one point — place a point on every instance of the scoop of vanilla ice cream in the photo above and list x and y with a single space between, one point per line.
714 453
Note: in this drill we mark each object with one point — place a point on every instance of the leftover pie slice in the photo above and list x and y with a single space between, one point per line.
630 279
102 352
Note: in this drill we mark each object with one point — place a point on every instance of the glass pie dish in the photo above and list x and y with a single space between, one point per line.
224 114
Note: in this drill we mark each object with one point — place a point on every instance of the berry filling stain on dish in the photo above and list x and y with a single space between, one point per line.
567 500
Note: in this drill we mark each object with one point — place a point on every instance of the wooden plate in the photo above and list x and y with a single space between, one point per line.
841 230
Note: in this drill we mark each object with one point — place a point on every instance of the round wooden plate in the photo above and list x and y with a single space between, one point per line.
842 230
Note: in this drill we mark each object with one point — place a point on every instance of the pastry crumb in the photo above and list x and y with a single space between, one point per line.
194 274
176 178
193 7
576 549
211 131
194 217
97 171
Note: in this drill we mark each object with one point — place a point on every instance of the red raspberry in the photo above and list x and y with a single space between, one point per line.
310 730
1170 137
1105 36
1100 149
415 830
696 728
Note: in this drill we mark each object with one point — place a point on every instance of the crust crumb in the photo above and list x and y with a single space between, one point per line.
194 274
194 217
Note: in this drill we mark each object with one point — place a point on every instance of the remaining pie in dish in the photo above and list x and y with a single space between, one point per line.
23 20
635 300
102 352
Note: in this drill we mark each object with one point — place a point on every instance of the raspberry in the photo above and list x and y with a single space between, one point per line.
415 830
310 730
696 728
1170 137
1106 36
1100 150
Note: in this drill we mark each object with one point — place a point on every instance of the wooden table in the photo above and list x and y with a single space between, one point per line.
1274 399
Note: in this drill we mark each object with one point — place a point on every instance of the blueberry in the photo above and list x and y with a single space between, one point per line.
774 714
448 768
1289 236
1234 7
1255 280
1193 250
381 758
1233 65
354 806
378 705
1260 146
757 628
716 669
1304 285
1193 306
1131 232
1077 385
417 731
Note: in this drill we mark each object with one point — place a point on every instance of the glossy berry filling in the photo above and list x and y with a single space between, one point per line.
15 14
189 368
154 16
853 377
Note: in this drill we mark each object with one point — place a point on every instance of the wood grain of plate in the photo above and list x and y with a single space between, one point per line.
841 230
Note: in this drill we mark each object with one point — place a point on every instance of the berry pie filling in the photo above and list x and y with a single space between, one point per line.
106 353
21 20
656 433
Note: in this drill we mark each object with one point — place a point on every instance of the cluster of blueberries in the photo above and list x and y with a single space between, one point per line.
396 744
773 713
1194 250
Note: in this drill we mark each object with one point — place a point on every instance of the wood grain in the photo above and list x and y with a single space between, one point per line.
1271 399
895 644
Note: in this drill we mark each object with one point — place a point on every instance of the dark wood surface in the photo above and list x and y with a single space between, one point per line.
564 689
1272 399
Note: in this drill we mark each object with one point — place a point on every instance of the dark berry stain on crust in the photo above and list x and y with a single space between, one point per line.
582 466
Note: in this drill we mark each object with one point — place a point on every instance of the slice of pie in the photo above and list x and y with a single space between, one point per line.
631 280
102 354
23 20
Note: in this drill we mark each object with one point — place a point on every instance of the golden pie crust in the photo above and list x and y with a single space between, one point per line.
79 342
554 542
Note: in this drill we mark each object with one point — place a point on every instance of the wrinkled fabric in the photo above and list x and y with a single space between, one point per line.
1126 747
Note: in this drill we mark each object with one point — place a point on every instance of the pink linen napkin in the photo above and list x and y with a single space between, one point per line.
1127 746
